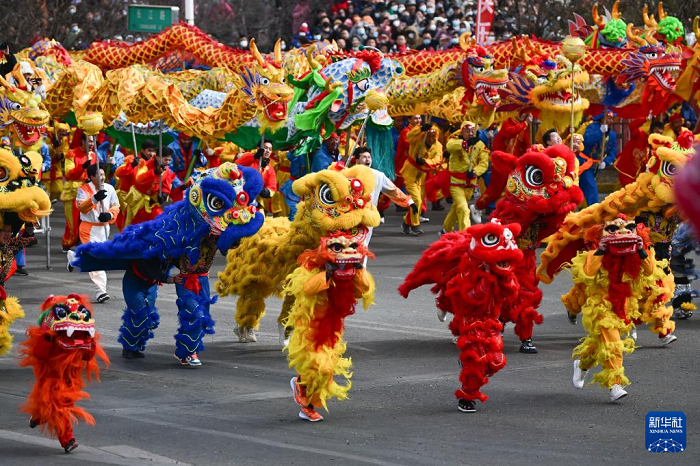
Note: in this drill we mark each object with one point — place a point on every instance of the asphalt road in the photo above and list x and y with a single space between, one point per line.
237 408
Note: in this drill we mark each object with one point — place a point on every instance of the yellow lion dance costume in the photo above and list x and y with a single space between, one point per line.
326 286
649 199
21 200
616 283
334 199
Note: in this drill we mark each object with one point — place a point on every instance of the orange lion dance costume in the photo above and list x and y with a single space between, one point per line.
474 277
61 349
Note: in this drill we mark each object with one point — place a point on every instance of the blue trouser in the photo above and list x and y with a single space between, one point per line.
140 316
194 317
589 186
20 258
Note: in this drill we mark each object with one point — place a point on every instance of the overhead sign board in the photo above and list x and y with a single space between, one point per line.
149 18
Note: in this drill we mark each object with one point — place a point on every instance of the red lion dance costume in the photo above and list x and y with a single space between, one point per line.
60 350
326 286
541 189
473 273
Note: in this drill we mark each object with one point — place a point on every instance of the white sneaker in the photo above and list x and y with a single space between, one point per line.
616 392
633 333
454 340
424 219
475 214
442 315
283 334
250 335
668 339
241 334
441 232
381 220
579 378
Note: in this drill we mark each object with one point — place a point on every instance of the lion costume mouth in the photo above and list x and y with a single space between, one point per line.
74 335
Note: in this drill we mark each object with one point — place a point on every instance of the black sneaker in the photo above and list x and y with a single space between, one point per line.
33 423
527 347
21 271
65 249
415 231
102 298
572 318
466 406
71 445
405 228
132 354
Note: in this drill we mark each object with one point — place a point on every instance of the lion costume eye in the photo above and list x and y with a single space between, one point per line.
534 176
4 174
490 240
325 195
60 312
336 247
214 203
669 169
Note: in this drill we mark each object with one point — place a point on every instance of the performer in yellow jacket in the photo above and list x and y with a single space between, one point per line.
469 159
424 156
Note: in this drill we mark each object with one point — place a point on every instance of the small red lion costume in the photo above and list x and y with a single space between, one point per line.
541 189
60 350
473 273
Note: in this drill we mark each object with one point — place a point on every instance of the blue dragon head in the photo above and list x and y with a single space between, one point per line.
362 81
224 197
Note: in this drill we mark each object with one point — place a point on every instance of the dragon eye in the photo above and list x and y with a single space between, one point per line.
534 176
60 312
490 240
363 85
214 203
325 195
478 69
264 81
651 55
4 175
669 169
282 80
15 106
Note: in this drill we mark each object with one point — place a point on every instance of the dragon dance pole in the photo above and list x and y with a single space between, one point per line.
573 48
160 157
359 137
133 139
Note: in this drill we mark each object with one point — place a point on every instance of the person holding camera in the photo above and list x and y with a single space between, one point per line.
99 206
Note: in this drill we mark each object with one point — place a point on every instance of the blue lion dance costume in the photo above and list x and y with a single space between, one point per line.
218 211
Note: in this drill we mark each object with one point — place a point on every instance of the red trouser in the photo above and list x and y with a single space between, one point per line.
70 234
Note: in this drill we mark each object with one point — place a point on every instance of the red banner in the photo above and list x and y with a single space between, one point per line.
484 20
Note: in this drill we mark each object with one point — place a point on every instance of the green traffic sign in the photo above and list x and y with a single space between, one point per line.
149 18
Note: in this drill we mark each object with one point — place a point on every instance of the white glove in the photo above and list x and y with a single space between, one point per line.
209 151
602 165
604 128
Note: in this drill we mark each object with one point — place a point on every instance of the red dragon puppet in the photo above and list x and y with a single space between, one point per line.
62 350
473 273
541 189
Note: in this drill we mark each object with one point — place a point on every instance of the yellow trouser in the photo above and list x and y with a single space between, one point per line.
608 342
459 212
415 187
